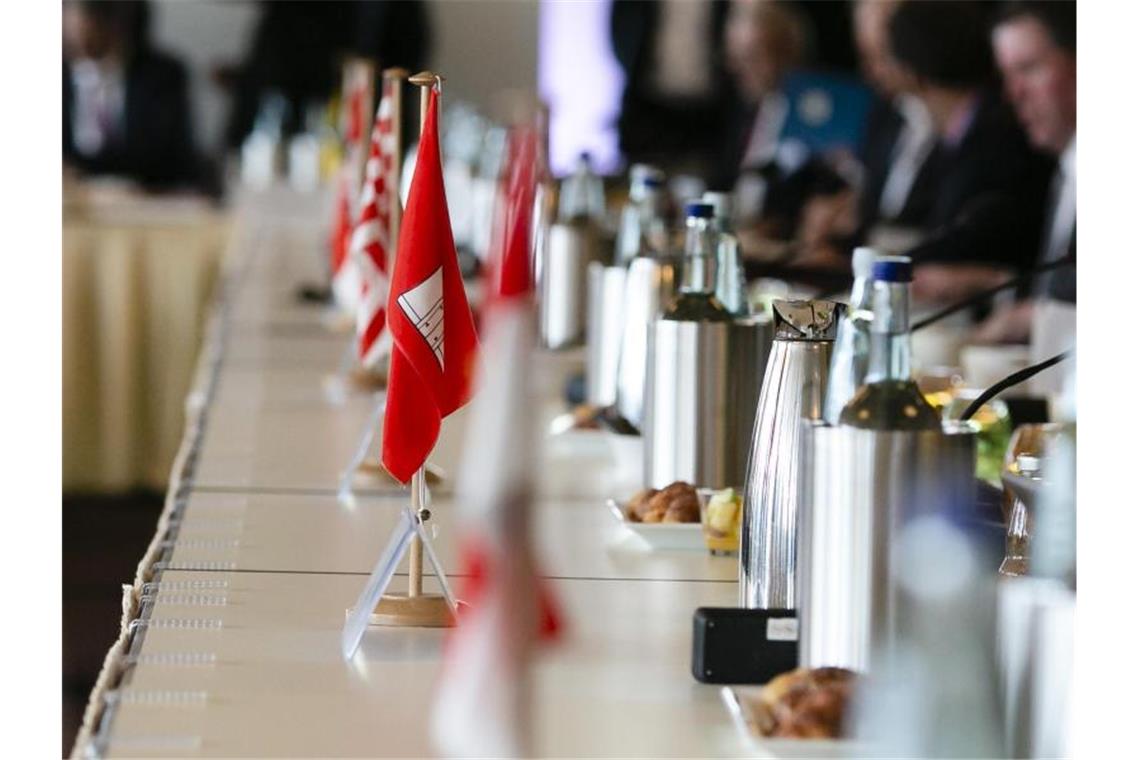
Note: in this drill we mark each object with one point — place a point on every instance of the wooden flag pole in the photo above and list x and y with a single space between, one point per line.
425 80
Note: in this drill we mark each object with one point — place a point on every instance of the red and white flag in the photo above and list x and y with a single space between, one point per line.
509 272
483 699
345 274
433 332
371 240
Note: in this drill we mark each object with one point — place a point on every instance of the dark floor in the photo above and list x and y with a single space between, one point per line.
104 538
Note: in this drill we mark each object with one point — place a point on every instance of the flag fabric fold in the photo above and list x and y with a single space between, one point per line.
371 239
433 332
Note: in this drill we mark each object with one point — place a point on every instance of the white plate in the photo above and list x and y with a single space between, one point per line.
780 748
685 536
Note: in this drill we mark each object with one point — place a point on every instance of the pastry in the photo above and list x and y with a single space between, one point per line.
636 506
805 703
676 503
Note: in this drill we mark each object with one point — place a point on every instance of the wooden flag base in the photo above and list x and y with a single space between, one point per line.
339 323
368 379
425 611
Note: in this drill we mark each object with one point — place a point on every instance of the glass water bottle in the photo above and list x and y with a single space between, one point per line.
890 398
642 225
852 349
730 282
582 194
696 298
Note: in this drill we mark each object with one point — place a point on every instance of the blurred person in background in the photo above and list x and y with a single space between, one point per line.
894 186
764 42
298 48
897 183
1035 45
126 108
986 211
677 92
799 126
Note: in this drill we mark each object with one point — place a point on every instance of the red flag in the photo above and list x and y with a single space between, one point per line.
434 352
345 274
341 230
371 240
510 272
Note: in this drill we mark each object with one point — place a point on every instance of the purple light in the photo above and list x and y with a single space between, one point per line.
582 82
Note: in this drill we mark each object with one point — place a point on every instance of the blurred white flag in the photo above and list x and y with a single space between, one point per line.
482 704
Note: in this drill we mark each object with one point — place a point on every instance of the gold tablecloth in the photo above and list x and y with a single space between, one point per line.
137 276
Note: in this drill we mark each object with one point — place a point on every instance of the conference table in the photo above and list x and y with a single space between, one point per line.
230 636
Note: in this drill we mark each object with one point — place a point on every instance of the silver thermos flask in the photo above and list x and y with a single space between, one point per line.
700 394
795 382
570 247
860 489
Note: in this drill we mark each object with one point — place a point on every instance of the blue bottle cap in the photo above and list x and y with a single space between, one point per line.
892 269
699 209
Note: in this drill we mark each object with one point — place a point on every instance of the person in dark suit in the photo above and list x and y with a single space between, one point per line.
1035 44
126 106
677 92
296 52
986 212
897 183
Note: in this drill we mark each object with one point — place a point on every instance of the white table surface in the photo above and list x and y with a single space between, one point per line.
313 533
262 512
616 685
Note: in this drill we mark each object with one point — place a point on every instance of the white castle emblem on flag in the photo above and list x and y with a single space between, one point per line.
423 306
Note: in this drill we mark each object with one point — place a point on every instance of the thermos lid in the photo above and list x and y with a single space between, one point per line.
720 203
699 209
862 261
806 320
642 174
892 269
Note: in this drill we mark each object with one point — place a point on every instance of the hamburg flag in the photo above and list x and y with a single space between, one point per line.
371 240
435 347
345 273
510 270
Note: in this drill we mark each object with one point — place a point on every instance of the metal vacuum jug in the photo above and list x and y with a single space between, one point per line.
604 320
700 395
795 382
565 256
650 286
860 488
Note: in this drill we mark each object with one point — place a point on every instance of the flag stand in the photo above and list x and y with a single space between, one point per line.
414 608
